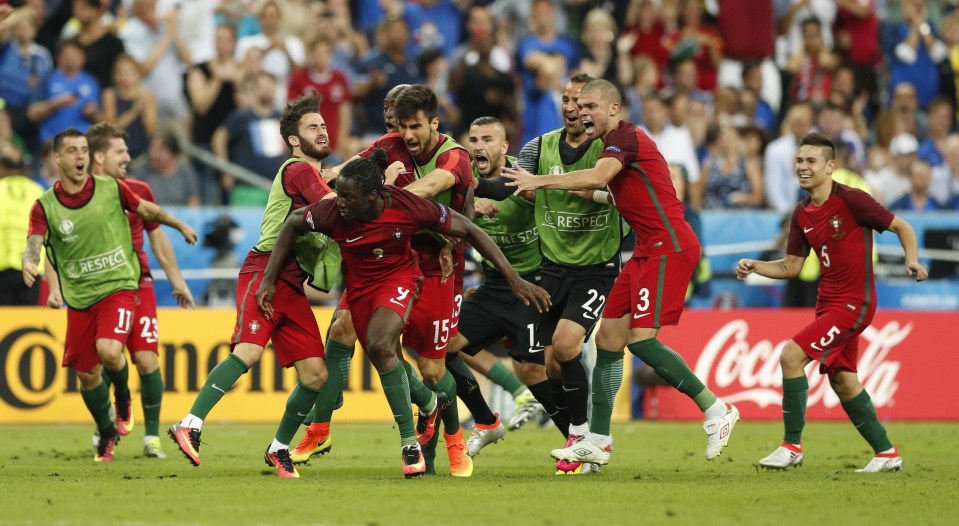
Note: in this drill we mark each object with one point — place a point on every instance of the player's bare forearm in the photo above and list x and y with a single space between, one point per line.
786 268
435 182
910 245
590 179
32 253
166 257
153 212
292 228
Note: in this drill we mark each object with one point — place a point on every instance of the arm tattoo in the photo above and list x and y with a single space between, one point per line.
32 254
783 266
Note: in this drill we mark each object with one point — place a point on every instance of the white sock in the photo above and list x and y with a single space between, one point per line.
277 445
148 438
886 452
193 421
599 440
716 410
580 430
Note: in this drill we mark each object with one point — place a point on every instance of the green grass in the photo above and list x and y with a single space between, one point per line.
658 475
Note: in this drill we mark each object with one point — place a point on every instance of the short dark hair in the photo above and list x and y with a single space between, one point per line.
417 97
581 78
169 139
823 142
294 111
367 172
486 119
69 42
100 134
811 20
65 134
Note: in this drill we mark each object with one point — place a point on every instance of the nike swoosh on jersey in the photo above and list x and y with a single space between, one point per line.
354 239
807 230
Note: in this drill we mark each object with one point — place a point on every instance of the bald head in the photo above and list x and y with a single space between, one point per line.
604 89
388 116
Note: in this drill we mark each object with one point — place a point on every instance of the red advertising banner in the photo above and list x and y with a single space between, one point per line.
907 362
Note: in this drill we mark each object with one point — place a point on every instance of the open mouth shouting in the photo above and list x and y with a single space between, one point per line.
482 162
589 126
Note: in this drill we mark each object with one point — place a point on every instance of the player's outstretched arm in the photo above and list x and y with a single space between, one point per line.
522 289
786 268
152 212
433 183
166 257
594 178
31 259
292 228
907 238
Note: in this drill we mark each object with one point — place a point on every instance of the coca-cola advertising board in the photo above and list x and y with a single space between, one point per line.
907 362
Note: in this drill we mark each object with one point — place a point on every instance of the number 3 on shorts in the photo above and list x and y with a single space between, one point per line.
123 323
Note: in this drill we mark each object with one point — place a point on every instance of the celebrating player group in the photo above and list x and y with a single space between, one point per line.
396 220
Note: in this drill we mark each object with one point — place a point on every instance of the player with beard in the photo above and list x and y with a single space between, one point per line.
375 226
109 156
340 345
651 289
292 328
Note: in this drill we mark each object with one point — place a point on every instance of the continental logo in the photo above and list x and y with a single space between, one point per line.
570 221
98 264
31 376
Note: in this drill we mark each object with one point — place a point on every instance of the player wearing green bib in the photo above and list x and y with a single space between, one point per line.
580 240
85 229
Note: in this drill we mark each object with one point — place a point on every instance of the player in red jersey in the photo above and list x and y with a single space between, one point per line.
837 222
292 329
651 288
374 226
83 222
109 156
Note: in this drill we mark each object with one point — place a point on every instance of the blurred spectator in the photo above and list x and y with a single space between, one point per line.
779 175
747 31
480 79
940 123
643 83
385 66
172 178
130 106
100 46
282 52
683 78
917 51
514 17
250 137
157 47
857 41
17 195
544 57
348 45
905 112
69 98
298 16
918 198
731 179
945 177
196 25
811 66
644 35
24 66
950 37
598 56
8 138
833 123
434 24
789 15
334 91
436 72
676 145
891 180
700 42
845 171
211 89
699 286
754 145
238 14
49 171
763 114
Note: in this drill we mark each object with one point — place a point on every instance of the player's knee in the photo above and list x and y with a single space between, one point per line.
342 328
457 344
314 377
792 359
382 354
531 373
111 354
567 345
146 362
432 370
89 379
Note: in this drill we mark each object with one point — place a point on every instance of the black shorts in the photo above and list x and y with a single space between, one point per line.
578 294
491 314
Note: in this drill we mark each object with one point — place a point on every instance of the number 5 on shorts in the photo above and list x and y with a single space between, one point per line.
826 340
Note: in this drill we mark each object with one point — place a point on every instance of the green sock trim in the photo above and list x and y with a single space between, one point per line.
223 376
396 387
607 377
795 396
120 380
151 397
672 368
500 375
97 401
338 357
298 404
421 395
863 415
450 415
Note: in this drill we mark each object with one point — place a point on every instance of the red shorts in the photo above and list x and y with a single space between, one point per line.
398 295
833 338
344 301
429 330
457 302
653 289
293 329
110 318
143 336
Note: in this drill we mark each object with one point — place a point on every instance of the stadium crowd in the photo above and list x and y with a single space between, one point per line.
724 87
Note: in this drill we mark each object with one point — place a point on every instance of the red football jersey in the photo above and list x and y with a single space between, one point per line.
644 193
840 231
380 249
137 224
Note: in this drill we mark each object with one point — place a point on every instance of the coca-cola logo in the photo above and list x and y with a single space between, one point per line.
744 371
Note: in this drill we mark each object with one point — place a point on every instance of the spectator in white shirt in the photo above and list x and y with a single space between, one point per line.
779 174
675 143
281 52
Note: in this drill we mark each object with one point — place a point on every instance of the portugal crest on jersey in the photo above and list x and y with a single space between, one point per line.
836 223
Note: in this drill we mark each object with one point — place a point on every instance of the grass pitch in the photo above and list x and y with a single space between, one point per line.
658 475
